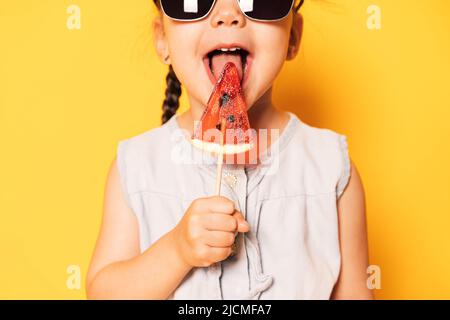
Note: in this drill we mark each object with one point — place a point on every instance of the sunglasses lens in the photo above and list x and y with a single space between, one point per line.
266 9
186 9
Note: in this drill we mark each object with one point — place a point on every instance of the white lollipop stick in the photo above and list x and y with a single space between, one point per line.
220 157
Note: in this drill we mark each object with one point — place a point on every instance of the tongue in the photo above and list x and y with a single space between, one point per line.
219 61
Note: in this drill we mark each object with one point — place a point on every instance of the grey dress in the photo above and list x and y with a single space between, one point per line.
290 201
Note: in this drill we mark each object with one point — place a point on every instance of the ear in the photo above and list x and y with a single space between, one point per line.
160 41
295 37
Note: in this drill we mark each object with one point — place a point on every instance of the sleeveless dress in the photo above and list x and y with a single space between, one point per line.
290 201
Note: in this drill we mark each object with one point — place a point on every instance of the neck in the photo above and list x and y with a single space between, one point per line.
263 114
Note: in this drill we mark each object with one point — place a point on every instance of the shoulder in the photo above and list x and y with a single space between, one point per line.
322 145
325 155
149 147
145 141
140 157
320 138
353 194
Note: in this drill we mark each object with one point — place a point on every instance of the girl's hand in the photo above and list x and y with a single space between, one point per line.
207 231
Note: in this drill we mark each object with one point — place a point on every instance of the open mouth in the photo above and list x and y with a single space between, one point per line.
216 59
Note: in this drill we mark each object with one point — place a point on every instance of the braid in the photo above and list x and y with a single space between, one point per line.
173 93
299 5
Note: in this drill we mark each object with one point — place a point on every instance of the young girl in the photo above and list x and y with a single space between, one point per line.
299 213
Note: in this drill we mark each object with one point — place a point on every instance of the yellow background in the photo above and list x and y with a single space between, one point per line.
68 96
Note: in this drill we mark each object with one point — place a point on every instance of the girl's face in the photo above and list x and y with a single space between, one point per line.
265 46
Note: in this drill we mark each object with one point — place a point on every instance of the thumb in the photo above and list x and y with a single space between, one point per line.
243 225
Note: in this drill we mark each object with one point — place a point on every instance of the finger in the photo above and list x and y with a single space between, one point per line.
219 239
220 222
219 254
219 204
243 225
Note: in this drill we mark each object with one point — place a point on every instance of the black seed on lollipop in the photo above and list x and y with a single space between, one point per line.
224 99
219 126
231 118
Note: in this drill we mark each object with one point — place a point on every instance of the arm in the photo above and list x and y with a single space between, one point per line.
353 242
118 270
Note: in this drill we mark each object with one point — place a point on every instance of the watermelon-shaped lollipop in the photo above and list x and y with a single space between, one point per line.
224 128
226 105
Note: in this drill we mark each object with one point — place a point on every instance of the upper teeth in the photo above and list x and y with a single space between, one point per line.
229 49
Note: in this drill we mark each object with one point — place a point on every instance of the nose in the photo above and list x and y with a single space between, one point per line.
227 13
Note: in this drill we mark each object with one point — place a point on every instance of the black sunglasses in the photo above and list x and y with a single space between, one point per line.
260 10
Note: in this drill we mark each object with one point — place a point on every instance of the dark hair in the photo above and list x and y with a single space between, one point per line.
173 90
171 101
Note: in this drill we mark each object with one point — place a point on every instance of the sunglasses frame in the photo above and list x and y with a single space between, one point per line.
214 3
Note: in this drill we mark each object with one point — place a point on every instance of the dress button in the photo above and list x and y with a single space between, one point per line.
230 179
